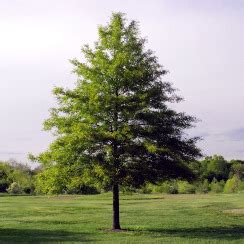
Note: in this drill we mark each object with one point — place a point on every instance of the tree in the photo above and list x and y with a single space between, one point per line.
4 176
215 167
116 125
237 168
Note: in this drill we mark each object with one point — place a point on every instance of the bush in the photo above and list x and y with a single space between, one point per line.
217 186
29 189
128 189
160 187
241 187
173 188
169 187
185 187
232 185
14 188
147 189
203 187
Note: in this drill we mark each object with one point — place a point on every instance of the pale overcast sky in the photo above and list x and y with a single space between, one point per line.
199 42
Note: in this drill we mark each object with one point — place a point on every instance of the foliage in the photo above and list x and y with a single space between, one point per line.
58 180
79 184
237 168
185 187
12 171
241 187
4 185
217 186
232 185
5 181
50 181
146 189
215 167
116 123
168 187
173 188
14 188
203 187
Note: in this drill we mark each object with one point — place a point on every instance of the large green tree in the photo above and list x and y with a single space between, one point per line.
116 126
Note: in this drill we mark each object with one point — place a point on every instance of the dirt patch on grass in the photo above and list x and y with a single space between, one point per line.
237 211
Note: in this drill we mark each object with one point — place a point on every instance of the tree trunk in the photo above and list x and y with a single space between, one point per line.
116 224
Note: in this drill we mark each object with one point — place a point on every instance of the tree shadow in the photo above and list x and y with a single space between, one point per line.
220 233
41 236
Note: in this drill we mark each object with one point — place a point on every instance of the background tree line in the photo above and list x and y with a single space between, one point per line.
212 174
17 178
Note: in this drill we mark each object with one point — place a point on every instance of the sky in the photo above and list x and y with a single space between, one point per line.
199 42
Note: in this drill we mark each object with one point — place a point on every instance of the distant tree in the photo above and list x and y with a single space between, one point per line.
4 176
12 171
237 168
196 168
116 125
215 167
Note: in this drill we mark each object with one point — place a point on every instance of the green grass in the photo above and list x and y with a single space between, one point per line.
154 218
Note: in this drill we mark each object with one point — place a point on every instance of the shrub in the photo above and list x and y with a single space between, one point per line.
203 187
185 187
173 189
232 185
14 188
162 187
147 189
29 189
169 187
217 186
241 186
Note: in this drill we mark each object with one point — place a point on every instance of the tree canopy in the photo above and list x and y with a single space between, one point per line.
116 126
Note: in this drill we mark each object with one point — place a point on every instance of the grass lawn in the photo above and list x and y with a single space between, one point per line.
154 218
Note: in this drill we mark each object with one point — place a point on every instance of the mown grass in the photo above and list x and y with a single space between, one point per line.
154 218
